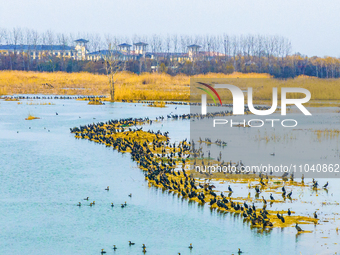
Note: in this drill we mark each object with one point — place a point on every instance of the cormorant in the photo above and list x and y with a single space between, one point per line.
298 228
290 194
230 190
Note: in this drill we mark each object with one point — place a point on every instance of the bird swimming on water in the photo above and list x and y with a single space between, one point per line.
114 247
131 243
130 195
79 204
108 188
102 252
239 251
86 198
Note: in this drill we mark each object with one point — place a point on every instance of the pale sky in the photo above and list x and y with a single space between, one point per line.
313 26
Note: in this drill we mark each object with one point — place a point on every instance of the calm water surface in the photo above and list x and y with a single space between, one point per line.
45 172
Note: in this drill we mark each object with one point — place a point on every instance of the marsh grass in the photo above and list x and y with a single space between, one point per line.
327 134
154 86
31 117
42 103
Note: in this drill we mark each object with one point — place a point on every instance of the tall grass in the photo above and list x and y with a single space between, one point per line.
130 86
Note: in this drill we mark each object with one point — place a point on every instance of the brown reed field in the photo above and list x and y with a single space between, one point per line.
154 86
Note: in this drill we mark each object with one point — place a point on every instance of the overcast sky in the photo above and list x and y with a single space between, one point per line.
313 26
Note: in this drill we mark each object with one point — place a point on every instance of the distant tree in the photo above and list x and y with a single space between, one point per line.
112 63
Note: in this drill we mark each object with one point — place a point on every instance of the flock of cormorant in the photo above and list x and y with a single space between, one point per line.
164 165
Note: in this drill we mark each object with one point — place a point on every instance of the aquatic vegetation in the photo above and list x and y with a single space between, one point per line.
41 103
31 117
167 166
95 101
208 141
275 137
11 99
327 134
157 104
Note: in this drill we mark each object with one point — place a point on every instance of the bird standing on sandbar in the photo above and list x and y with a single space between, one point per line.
298 228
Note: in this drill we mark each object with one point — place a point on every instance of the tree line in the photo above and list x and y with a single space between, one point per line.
218 53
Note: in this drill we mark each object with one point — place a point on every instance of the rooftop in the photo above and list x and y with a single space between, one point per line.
36 47
140 44
105 52
81 41
194 46
124 45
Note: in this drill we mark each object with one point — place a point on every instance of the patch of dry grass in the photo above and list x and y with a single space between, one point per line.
130 86
31 117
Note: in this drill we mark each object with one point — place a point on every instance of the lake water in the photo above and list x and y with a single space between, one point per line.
45 172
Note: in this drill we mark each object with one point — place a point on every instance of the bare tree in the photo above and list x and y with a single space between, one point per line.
226 46
62 40
183 43
112 62
2 35
28 42
17 39
235 46
50 39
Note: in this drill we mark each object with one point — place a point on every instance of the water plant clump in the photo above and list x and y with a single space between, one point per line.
157 104
31 117
95 101
166 166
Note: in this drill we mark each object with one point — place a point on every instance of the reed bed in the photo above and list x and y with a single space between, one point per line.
154 86
327 134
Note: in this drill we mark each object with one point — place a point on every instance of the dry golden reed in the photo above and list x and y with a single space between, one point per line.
152 86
